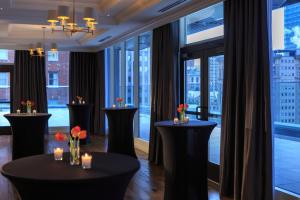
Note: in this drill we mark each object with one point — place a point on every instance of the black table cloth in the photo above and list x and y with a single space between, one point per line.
120 130
80 115
27 133
185 149
41 177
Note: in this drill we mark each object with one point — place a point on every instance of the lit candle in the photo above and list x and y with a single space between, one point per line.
58 153
114 106
126 105
73 102
18 111
34 112
83 102
86 161
186 120
176 120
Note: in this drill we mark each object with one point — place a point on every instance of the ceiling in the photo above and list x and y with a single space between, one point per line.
21 21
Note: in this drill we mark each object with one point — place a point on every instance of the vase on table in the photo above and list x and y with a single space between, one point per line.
182 117
74 151
28 109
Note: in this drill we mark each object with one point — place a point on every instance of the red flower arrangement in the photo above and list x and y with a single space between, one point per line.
74 142
182 108
76 133
27 103
119 100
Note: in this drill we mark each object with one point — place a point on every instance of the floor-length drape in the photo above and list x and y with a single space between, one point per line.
246 141
165 83
29 81
86 77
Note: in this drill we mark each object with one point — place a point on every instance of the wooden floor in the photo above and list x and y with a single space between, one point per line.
148 183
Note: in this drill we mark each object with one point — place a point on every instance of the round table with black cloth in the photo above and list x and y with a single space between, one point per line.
27 133
185 149
80 115
120 130
41 177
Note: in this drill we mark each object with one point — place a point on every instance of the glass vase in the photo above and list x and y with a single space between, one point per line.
74 151
120 104
181 117
28 109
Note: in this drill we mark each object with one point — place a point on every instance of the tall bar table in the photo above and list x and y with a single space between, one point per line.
185 149
120 130
28 133
80 115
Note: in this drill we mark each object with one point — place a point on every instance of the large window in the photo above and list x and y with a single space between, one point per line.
285 76
144 85
7 56
129 77
205 24
57 73
202 66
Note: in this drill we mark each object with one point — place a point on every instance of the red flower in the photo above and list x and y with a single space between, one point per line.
179 110
23 103
186 106
75 130
181 106
59 136
119 99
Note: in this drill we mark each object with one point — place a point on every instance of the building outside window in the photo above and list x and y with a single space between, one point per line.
53 56
7 56
58 88
53 78
285 77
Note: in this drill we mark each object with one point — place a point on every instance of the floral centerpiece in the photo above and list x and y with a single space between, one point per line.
29 104
74 142
120 101
182 108
80 99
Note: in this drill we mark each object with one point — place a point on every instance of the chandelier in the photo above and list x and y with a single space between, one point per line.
39 50
61 20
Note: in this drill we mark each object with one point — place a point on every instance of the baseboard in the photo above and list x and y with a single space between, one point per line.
141 145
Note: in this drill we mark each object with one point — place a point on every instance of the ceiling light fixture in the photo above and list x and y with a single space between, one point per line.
39 50
67 22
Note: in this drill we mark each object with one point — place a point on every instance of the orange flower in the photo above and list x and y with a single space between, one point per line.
75 130
59 136
80 134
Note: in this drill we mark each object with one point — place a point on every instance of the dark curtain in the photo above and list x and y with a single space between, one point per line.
246 140
86 80
165 83
29 81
